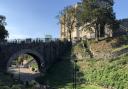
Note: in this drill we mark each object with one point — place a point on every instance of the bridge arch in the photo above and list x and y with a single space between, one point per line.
36 55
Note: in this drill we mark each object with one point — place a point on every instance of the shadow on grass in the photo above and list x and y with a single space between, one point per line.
7 80
60 75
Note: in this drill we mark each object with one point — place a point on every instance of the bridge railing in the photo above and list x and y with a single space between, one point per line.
124 28
29 40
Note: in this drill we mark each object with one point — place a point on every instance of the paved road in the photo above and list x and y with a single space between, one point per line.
25 73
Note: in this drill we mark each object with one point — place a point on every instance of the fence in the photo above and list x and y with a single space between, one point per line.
29 40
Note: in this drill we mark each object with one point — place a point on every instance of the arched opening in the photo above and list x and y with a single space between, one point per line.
25 65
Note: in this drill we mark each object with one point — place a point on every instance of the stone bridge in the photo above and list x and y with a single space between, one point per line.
45 53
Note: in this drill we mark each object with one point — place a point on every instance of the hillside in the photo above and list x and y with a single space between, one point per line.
110 74
93 73
60 76
109 48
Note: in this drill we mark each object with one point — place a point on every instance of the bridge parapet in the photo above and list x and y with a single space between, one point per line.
49 51
29 40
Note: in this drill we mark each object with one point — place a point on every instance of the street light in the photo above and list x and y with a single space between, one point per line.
75 70
19 71
75 61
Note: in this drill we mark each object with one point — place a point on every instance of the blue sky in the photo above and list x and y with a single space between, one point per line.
36 18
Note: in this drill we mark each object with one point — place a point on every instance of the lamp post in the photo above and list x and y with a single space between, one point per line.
75 75
19 71
75 70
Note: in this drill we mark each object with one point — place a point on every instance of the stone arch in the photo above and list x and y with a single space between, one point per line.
39 59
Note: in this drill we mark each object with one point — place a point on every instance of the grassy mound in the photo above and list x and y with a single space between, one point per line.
110 74
109 44
106 73
60 76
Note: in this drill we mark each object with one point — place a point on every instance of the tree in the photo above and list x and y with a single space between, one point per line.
98 13
3 32
67 18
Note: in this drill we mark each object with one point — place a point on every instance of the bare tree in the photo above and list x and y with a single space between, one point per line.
67 18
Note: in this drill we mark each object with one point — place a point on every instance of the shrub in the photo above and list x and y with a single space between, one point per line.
4 87
16 87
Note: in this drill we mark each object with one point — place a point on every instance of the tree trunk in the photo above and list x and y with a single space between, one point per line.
99 31
96 32
70 36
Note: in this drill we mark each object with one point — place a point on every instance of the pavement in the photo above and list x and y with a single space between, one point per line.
24 74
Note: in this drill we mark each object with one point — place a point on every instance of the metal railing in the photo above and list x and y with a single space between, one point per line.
29 40
124 28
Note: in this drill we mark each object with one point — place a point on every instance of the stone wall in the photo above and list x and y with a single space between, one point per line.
102 50
45 53
110 55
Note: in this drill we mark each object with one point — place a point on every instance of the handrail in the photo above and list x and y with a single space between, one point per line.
30 40
124 28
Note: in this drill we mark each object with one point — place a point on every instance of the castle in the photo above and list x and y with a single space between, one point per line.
81 32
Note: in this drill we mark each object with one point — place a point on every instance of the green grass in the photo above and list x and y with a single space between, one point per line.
7 82
92 87
120 48
84 86
5 79
60 76
93 74
106 73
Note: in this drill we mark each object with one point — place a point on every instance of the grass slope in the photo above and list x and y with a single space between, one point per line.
111 74
60 76
106 73
92 87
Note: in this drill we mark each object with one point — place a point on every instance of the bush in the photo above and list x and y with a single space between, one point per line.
16 87
4 87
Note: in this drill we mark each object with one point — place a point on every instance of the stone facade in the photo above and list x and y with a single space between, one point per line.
82 32
110 55
89 33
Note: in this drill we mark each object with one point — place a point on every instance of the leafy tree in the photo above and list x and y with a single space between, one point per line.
3 32
98 14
